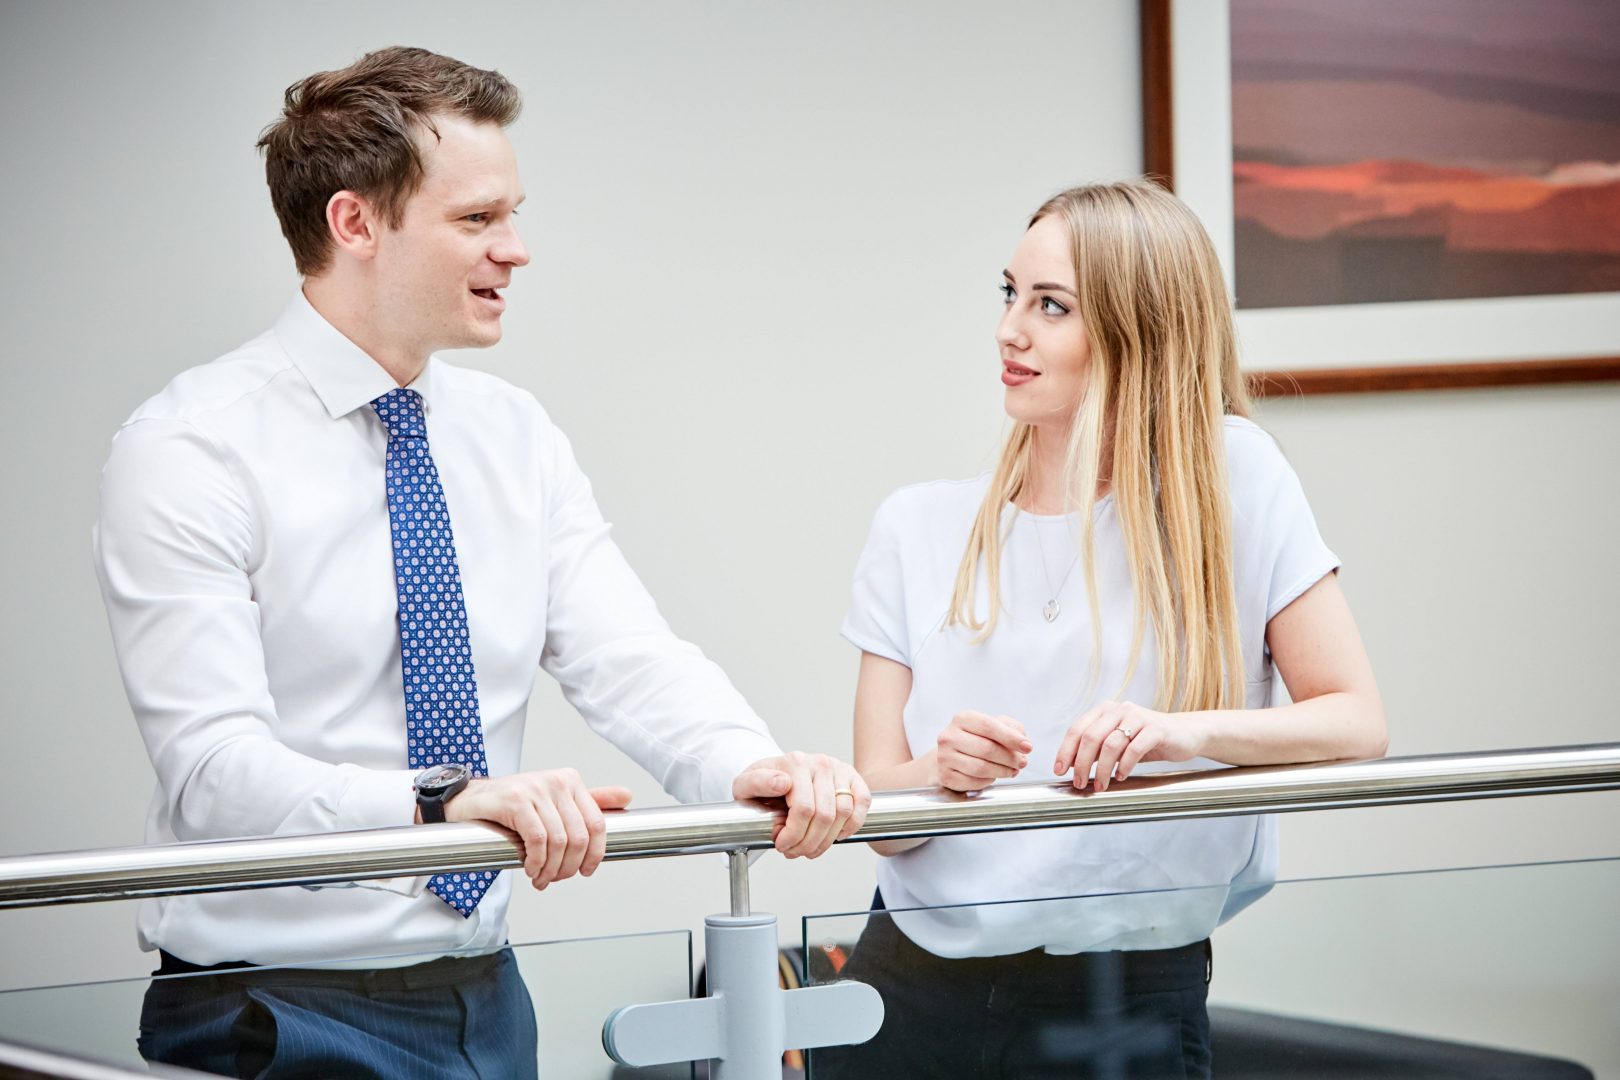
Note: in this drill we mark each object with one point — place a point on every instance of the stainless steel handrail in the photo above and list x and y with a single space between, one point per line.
217 865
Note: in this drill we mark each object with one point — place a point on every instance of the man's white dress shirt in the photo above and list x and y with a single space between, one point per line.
245 558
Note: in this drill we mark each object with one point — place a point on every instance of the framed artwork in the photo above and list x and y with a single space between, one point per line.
1405 195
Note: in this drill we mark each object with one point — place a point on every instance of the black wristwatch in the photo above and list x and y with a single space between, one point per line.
437 786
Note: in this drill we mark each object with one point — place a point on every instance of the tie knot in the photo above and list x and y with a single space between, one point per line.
401 412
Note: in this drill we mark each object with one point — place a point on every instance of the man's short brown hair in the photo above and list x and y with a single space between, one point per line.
356 129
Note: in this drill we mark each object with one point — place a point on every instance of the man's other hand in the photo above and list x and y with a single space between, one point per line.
556 816
826 799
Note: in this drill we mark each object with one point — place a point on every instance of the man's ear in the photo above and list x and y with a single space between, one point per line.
353 223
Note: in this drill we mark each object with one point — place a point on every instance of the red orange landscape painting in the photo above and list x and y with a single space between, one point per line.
1394 150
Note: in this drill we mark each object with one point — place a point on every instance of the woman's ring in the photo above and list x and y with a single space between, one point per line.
1127 732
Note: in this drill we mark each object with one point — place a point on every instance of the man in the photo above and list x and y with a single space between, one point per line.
332 562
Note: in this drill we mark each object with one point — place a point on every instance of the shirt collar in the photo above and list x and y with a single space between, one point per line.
342 374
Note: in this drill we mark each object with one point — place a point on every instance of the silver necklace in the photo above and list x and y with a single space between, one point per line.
1052 609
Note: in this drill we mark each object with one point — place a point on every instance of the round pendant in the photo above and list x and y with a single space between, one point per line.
1051 610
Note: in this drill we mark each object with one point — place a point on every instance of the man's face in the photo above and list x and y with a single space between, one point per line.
439 273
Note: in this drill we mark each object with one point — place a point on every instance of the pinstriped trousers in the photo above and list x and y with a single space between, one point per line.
448 1018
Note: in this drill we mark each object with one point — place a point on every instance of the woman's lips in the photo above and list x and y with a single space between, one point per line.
1016 374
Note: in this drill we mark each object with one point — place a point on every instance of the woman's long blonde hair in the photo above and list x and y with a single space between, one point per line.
1164 375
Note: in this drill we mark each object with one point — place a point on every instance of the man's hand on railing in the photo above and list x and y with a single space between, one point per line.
556 816
826 799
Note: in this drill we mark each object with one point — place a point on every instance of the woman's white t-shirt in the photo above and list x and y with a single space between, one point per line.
1148 885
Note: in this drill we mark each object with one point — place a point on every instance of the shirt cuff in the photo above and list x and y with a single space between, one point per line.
742 749
409 887
375 799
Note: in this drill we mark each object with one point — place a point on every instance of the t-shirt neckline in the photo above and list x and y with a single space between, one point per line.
1107 499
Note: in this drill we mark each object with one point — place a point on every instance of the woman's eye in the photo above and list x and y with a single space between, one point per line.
1050 306
1006 291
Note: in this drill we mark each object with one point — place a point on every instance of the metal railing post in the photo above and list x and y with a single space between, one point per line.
747 1020
737 864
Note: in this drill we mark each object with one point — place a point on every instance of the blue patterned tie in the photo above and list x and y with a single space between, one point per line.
441 689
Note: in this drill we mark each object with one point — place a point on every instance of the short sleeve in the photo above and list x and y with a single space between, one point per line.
1273 520
876 621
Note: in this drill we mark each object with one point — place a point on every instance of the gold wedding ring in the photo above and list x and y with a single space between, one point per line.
844 791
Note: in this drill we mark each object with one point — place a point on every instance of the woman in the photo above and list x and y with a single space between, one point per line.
1111 599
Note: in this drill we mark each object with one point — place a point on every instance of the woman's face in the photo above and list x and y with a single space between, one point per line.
1045 355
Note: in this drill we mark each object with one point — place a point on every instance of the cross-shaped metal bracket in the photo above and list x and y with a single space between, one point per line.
747 1021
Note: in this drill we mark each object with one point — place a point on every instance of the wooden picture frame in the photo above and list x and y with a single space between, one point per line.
1197 164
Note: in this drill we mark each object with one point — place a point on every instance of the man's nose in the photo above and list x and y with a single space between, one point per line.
511 250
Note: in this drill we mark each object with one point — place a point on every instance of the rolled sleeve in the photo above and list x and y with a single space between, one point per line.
1276 538
876 619
1297 554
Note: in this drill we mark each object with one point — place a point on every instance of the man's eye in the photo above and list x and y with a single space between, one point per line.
1007 292
478 218
1050 306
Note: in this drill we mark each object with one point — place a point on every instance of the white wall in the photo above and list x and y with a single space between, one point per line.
766 240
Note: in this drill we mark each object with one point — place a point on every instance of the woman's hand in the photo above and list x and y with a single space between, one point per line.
976 749
1117 734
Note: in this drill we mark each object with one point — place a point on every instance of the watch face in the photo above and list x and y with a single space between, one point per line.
440 777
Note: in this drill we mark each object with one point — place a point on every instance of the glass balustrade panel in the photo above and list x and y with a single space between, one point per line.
573 986
1484 972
